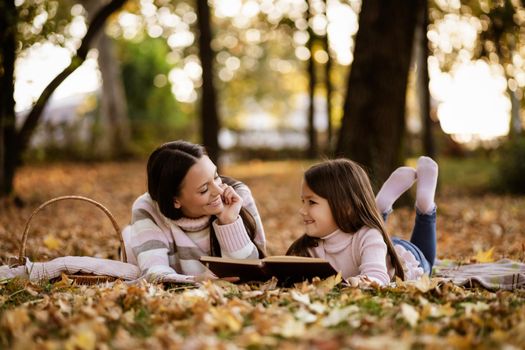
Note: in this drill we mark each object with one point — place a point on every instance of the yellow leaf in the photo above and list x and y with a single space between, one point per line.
485 256
85 339
424 284
51 242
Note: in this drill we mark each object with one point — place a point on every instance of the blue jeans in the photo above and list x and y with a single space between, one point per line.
423 241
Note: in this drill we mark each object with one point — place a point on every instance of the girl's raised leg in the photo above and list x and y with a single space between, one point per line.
424 232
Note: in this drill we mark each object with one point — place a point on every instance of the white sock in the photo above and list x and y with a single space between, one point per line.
427 174
399 181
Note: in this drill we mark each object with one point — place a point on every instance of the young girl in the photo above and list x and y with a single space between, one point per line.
343 223
190 211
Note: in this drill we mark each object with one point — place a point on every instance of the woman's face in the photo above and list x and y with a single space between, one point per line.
317 216
201 190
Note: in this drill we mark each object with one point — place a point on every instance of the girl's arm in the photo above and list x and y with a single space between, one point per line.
373 253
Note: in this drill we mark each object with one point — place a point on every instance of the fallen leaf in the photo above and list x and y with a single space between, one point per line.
84 339
410 314
52 243
484 256
291 328
305 316
300 297
336 316
425 284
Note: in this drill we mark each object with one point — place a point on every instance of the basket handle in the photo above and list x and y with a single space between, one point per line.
22 253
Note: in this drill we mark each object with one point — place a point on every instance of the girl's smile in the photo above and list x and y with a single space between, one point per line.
317 216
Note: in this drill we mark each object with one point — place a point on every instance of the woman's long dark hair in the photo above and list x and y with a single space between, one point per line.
346 187
167 166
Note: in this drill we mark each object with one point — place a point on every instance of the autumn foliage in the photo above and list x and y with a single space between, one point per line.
324 314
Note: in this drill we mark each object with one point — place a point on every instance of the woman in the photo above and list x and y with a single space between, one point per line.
190 211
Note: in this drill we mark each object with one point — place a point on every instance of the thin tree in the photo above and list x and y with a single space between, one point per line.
8 21
373 124
14 142
210 121
312 81
115 137
429 147
328 85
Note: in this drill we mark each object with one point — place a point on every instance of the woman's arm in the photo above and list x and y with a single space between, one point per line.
150 245
233 237
251 207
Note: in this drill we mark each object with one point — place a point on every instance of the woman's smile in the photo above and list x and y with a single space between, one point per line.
216 202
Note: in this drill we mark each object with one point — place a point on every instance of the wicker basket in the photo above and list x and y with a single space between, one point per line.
78 278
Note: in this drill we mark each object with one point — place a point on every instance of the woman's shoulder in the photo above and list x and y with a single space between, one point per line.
143 201
144 206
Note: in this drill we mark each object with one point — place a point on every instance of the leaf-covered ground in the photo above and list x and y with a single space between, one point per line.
322 315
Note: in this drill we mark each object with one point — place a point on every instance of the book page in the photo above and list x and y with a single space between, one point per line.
218 259
288 258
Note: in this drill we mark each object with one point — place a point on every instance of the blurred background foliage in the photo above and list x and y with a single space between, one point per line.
261 52
153 112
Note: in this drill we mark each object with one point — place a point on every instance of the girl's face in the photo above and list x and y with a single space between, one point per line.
317 216
201 190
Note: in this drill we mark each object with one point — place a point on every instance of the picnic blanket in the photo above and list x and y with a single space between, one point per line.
502 274
37 271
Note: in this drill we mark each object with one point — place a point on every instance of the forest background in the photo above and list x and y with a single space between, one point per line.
269 87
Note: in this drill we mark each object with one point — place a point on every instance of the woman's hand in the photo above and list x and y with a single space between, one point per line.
232 206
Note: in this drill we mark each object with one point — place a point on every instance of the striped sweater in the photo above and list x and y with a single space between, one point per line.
169 250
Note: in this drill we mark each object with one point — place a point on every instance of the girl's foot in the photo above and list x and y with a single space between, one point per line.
427 174
399 181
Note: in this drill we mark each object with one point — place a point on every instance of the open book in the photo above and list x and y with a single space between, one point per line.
287 269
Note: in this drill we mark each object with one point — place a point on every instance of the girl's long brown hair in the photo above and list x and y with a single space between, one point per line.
346 187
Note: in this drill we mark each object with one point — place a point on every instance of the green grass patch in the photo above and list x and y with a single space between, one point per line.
142 326
15 292
470 174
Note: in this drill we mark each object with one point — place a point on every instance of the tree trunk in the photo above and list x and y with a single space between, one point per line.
312 80
18 141
328 86
210 123
114 137
8 20
515 127
429 148
373 124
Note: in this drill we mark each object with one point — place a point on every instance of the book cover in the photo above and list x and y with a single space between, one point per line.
287 269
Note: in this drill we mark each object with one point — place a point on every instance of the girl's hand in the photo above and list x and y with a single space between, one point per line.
232 206
359 281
